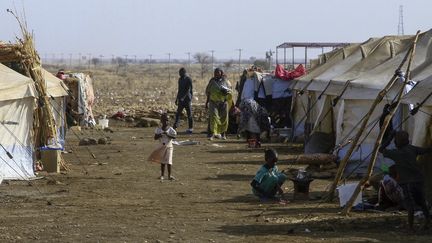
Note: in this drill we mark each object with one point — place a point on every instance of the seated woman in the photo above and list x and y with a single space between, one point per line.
268 180
254 120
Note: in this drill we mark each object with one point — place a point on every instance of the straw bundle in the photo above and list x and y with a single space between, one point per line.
24 53
11 53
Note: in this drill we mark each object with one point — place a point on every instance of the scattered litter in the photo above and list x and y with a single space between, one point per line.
217 145
186 142
307 230
100 163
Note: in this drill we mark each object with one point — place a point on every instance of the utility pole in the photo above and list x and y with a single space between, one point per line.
401 23
126 62
135 59
101 59
212 52
89 60
189 60
79 59
70 60
169 65
150 61
239 63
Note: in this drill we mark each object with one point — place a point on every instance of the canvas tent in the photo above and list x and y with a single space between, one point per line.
420 96
17 104
355 81
57 91
302 110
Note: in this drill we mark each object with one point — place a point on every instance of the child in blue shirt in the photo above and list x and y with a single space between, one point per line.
268 180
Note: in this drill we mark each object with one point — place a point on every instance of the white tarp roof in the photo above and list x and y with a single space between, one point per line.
55 86
337 56
14 85
320 82
421 72
368 69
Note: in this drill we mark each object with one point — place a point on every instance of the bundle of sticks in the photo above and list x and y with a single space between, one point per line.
25 55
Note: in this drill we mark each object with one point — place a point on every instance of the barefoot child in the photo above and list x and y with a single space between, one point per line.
268 180
165 134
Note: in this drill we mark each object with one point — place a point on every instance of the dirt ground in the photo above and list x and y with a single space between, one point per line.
117 197
112 194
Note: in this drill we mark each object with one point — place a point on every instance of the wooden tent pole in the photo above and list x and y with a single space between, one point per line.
354 142
378 141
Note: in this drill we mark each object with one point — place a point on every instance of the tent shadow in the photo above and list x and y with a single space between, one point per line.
231 177
247 198
232 141
373 227
238 162
234 151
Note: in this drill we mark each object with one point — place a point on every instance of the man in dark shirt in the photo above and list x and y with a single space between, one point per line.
410 177
184 99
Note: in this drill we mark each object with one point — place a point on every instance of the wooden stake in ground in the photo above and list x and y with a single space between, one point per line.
354 142
384 126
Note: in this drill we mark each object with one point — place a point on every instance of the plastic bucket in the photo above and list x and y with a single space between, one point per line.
103 123
345 193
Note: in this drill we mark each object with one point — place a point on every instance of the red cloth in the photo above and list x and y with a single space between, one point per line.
283 74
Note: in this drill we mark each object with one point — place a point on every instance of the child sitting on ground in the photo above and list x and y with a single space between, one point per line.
410 177
390 194
268 180
165 135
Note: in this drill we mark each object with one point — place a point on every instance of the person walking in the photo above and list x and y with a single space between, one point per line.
219 96
184 99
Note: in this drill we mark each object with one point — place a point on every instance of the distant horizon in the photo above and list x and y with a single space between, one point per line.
159 28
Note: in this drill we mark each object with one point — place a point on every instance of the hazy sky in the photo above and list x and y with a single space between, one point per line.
157 27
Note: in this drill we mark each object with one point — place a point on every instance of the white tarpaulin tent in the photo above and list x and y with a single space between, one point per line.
302 108
367 69
57 89
421 134
17 104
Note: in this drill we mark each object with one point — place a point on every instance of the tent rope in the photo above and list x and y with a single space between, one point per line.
384 126
312 106
378 99
334 102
